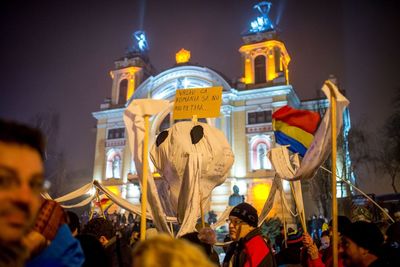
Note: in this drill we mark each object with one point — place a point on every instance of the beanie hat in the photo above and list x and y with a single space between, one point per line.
366 235
294 238
246 213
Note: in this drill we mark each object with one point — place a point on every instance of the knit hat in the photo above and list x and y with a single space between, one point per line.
246 213
366 235
294 237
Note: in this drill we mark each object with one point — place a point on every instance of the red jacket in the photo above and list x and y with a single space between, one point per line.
250 251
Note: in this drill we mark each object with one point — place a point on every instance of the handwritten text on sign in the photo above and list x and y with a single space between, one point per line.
202 102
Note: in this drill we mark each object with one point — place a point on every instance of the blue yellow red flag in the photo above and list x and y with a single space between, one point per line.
295 128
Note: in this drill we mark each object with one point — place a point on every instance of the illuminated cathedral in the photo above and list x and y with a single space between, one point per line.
245 116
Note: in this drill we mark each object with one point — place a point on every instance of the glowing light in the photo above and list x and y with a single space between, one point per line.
262 23
183 56
114 189
140 37
261 191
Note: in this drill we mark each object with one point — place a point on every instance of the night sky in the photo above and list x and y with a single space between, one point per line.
56 55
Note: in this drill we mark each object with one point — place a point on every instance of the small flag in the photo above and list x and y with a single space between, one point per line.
295 128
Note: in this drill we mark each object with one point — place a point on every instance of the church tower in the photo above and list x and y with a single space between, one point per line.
112 156
130 71
265 58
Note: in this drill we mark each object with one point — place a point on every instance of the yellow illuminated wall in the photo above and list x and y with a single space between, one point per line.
131 84
131 74
251 51
259 192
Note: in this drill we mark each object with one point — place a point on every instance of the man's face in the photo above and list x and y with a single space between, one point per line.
21 181
352 254
238 228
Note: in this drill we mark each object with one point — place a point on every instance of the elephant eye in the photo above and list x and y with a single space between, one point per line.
161 138
196 134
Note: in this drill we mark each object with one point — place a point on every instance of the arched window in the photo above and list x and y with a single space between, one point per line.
114 164
259 146
260 69
122 92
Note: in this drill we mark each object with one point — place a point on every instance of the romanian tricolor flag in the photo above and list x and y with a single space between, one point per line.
295 128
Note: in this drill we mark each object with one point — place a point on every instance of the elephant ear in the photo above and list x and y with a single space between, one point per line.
161 138
196 134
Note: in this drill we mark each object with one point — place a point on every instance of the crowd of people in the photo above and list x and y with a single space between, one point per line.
39 232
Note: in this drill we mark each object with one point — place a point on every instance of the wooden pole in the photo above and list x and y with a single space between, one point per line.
334 199
144 178
98 200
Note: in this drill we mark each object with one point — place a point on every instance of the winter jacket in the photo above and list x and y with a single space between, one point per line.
250 251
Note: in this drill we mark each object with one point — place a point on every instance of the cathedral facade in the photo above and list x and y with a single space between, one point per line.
245 114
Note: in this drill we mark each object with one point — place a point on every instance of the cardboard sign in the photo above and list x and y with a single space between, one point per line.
202 102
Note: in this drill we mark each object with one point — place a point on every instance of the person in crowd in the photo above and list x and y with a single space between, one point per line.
73 223
391 247
312 227
249 247
396 216
361 245
164 251
23 240
324 249
21 182
280 240
95 254
116 248
320 223
325 225
131 219
314 257
135 235
291 254
205 239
